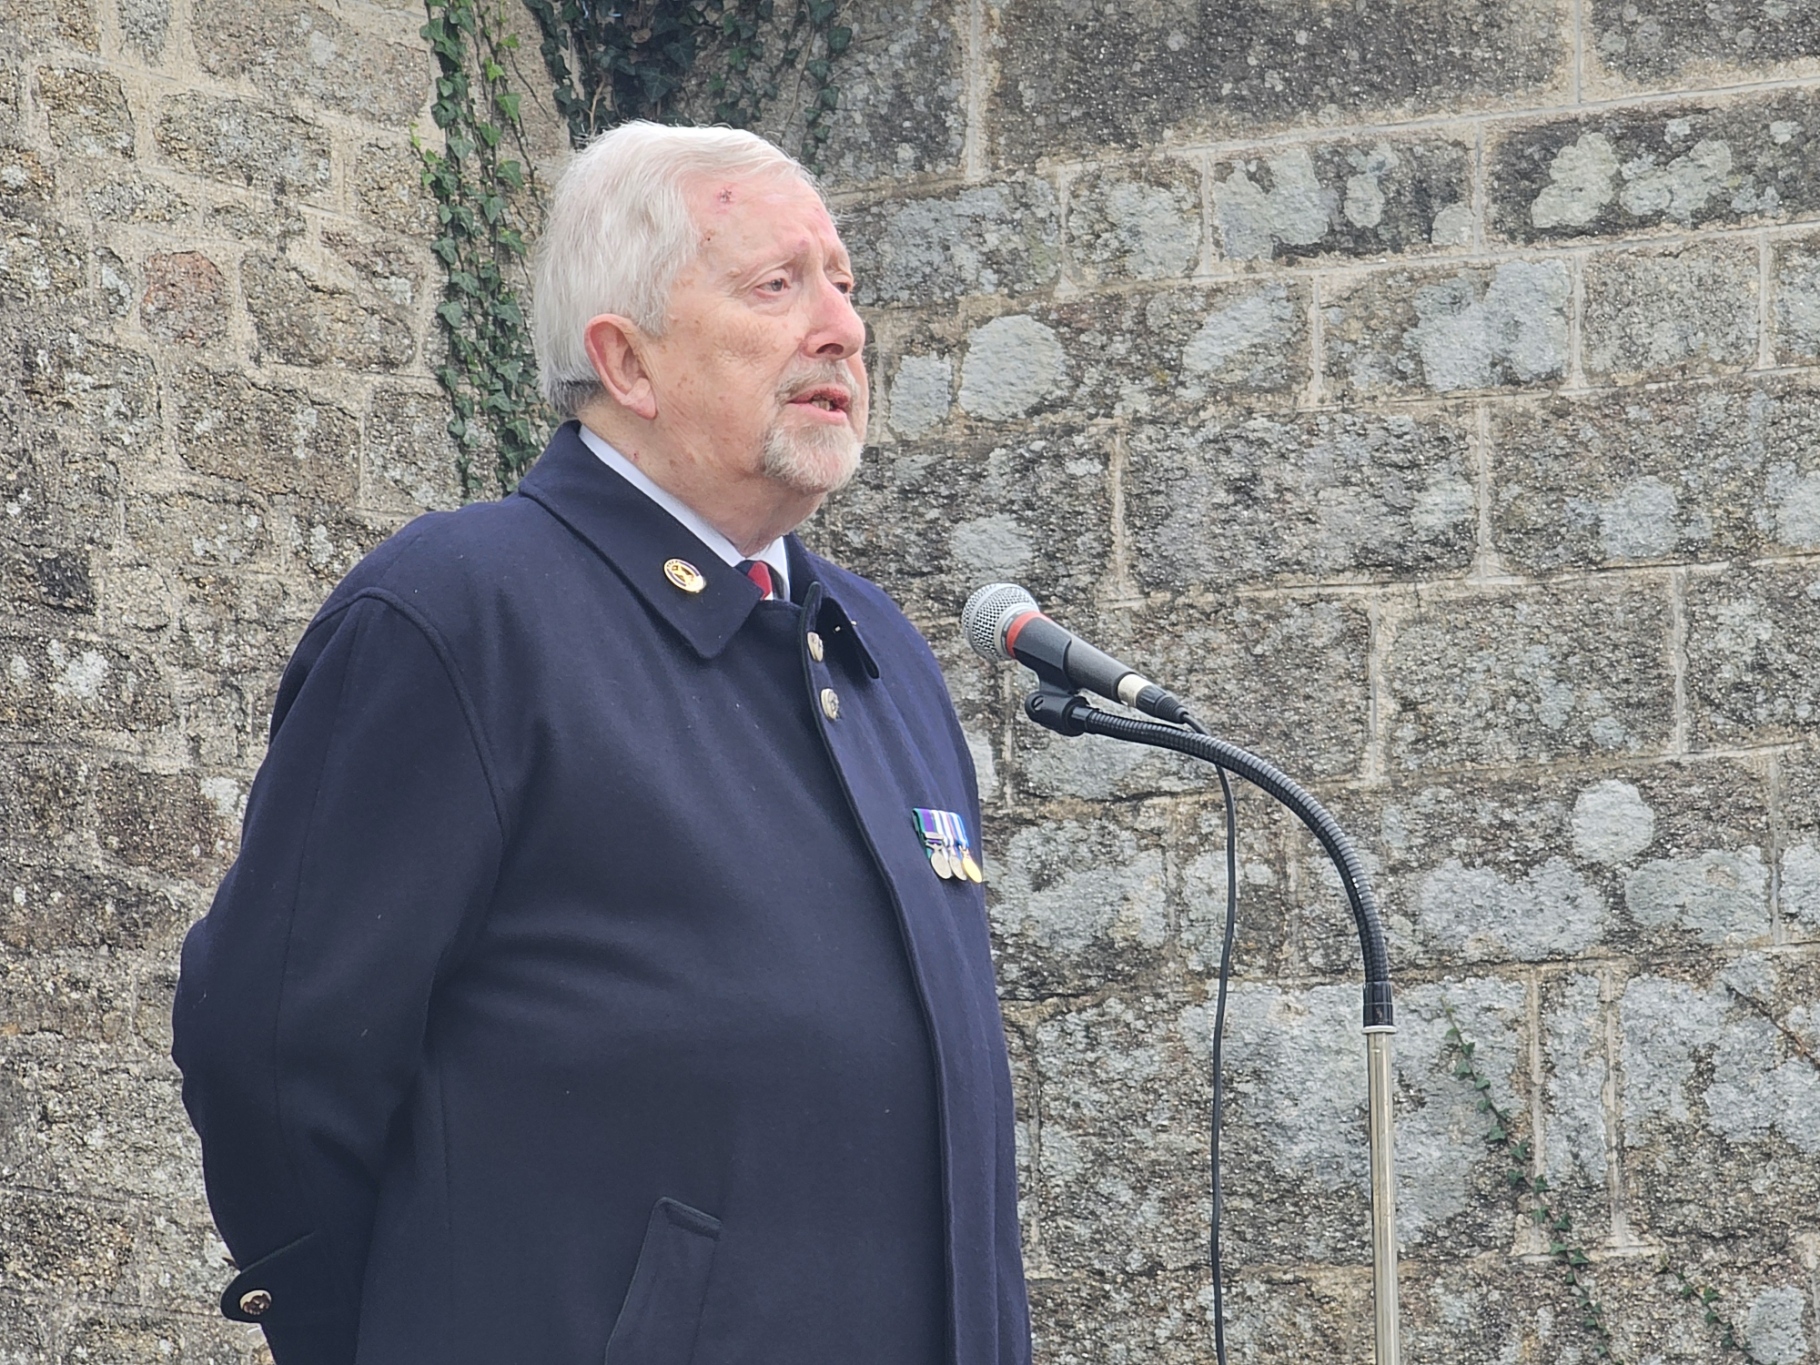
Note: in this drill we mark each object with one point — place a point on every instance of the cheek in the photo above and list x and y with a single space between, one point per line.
747 340
729 382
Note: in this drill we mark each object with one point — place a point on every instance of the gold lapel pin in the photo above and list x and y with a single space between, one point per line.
684 575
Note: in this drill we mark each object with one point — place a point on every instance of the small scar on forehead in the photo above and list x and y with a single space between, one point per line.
725 196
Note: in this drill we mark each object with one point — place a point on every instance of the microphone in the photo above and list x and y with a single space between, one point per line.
1003 623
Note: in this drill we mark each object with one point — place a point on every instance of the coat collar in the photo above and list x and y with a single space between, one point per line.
637 537
831 618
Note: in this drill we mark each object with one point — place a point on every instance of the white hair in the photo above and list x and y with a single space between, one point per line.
619 231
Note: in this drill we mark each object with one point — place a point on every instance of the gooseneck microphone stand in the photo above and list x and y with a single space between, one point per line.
1057 707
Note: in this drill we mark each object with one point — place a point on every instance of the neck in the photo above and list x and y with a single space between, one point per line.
750 509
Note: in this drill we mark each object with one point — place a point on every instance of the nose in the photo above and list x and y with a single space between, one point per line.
837 331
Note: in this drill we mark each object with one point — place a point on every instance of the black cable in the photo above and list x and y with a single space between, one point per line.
1219 1080
1066 714
1285 789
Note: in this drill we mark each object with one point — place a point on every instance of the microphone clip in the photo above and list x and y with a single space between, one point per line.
1056 708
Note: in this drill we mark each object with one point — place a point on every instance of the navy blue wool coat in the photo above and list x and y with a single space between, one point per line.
582 992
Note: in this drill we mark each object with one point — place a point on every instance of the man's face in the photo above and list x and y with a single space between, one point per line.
760 369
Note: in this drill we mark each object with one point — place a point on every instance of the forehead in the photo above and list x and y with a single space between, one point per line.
761 214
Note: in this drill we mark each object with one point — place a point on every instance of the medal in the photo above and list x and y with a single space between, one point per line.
947 845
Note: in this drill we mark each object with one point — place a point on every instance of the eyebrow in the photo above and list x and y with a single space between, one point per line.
840 261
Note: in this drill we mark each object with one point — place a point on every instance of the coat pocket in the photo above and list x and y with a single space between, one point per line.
662 1311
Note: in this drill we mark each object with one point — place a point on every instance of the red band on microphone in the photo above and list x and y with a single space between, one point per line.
1011 631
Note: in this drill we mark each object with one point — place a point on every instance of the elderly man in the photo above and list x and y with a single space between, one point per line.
604 974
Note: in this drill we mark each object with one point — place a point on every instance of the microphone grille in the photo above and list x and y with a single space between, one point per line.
986 615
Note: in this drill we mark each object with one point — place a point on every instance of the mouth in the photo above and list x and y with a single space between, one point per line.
830 401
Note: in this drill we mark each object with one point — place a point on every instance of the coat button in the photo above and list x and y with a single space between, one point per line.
814 642
254 1302
830 703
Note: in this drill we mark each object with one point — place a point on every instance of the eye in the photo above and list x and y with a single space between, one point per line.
776 284
845 286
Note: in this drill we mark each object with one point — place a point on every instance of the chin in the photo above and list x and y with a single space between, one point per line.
813 462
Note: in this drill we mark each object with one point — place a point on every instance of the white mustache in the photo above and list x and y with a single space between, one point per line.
819 376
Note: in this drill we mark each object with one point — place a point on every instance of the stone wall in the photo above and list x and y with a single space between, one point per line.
215 346
1429 392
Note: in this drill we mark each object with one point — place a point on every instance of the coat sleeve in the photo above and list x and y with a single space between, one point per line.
371 846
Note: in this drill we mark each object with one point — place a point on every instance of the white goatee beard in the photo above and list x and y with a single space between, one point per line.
820 460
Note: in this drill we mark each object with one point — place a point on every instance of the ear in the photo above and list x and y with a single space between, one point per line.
617 350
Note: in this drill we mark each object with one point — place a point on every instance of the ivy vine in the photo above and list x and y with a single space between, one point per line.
484 194
1531 1191
650 58
1708 1299
1558 1226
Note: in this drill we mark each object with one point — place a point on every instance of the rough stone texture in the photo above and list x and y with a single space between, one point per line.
1799 848
1650 42
989 239
185 298
135 199
298 49
950 517
304 320
167 532
243 143
1750 653
1345 198
1688 310
30 184
386 184
408 458
1721 1110
1442 331
85 111
1605 479
1281 670
54 24
1326 363
1180 351
1297 1097
1530 675
1080 906
144 24
902 93
1143 226
1184 69
1625 169
1013 366
43 260
1797 296
1491 872
1269 497
268 440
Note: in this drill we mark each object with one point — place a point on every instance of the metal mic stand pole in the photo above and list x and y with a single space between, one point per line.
1055 707
1387 1332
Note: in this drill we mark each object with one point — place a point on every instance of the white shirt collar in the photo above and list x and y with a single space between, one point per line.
774 554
